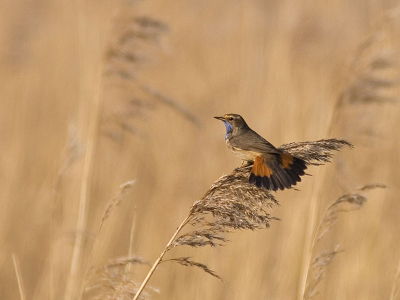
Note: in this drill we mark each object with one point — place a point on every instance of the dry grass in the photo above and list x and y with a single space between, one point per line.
19 277
232 203
169 67
113 280
318 265
396 285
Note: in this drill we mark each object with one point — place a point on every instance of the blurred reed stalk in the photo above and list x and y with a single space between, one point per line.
85 192
19 277
72 152
396 285
124 189
125 262
92 135
232 203
347 202
131 235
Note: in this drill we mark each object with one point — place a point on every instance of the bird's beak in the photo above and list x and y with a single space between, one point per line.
220 118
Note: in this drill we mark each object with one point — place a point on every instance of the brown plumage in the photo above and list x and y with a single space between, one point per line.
272 168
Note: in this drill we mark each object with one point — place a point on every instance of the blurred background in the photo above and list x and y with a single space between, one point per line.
96 93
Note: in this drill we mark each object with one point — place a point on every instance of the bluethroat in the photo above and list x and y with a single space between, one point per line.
272 168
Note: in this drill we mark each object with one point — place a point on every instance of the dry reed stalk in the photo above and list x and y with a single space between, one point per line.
124 189
84 196
114 280
396 284
87 175
345 203
131 235
19 277
158 260
232 203
73 151
306 260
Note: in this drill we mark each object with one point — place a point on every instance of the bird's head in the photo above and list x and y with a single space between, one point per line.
233 123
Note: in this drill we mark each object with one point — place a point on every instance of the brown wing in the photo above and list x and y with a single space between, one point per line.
252 141
275 172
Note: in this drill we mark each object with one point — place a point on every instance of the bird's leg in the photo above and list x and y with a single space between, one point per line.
245 164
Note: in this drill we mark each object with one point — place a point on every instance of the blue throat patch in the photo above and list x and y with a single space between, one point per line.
229 128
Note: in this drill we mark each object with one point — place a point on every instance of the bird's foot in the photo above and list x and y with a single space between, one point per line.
245 164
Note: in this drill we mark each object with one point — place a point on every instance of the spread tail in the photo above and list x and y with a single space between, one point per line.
280 171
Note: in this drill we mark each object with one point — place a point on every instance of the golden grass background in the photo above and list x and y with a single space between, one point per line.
295 70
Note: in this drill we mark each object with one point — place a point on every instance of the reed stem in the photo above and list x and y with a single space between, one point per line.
157 262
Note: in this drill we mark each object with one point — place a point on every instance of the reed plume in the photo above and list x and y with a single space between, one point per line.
318 265
139 41
113 279
232 203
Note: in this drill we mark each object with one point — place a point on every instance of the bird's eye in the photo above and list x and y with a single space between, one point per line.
230 118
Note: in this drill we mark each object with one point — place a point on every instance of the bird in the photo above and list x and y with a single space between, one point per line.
272 168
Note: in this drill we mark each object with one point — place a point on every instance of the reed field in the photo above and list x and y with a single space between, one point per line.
108 144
